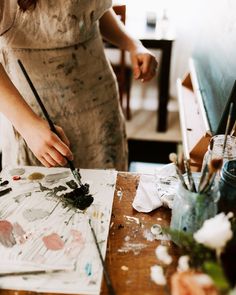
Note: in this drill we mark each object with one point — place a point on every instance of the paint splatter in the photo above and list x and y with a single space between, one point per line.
53 242
132 219
148 235
6 234
134 247
88 269
35 214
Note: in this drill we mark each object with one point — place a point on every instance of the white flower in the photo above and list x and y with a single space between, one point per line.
215 232
162 254
157 275
233 292
183 263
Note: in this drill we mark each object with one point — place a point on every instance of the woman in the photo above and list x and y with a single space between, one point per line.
60 45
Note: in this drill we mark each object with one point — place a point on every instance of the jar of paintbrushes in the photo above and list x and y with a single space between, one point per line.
195 200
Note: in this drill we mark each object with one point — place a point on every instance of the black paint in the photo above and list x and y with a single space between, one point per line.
79 197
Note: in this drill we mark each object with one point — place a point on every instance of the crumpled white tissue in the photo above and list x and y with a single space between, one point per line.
156 190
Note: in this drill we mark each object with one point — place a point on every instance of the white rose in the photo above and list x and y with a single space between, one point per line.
162 254
157 275
215 232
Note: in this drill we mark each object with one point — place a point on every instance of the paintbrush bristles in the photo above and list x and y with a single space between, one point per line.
215 165
174 159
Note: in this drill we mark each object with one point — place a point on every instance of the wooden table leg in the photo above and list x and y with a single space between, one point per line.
164 86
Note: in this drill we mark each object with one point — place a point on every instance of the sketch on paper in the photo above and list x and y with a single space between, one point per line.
45 239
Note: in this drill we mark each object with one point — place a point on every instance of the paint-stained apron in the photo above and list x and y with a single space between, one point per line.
60 45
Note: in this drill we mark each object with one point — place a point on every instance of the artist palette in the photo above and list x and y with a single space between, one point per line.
43 239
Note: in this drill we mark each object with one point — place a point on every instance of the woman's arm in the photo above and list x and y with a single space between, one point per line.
143 61
46 145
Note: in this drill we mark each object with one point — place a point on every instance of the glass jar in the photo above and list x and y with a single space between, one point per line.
215 149
227 187
191 209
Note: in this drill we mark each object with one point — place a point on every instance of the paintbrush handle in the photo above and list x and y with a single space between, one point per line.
110 288
51 125
227 126
190 176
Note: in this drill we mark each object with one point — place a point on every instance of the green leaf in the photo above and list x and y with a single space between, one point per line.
215 271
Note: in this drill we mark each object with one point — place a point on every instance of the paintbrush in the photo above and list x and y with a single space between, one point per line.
174 159
214 166
205 168
227 126
233 131
190 176
30 272
74 171
110 288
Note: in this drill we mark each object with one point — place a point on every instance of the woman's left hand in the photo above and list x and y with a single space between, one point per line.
144 63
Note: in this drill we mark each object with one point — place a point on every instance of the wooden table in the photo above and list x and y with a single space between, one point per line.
136 279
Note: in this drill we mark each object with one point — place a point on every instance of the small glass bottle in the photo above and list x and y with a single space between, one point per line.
227 187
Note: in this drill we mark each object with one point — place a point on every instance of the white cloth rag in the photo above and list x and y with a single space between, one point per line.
156 190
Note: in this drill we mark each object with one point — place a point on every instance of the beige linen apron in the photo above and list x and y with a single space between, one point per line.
60 45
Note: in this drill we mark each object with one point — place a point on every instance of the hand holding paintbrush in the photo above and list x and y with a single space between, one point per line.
74 171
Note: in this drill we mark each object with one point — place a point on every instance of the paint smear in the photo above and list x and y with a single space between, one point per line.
6 234
53 242
75 246
148 235
17 171
19 233
56 176
35 214
134 247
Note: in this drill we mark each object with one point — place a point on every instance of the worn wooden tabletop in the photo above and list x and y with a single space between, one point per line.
130 269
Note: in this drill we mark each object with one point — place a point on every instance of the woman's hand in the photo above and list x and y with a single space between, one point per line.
144 63
48 148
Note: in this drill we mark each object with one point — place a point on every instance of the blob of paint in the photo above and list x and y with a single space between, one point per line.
53 242
36 176
6 234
